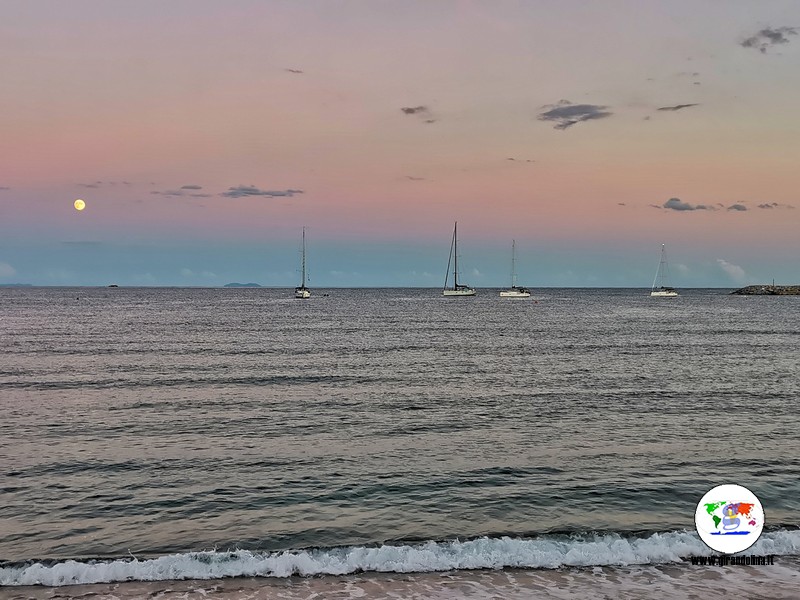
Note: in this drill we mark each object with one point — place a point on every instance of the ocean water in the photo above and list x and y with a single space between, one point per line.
390 442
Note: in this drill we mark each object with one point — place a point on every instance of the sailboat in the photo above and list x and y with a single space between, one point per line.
302 291
661 286
458 289
515 291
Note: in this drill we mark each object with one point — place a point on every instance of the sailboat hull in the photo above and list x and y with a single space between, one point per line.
461 292
515 294
302 293
663 294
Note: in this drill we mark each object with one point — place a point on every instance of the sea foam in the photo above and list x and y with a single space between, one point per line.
546 552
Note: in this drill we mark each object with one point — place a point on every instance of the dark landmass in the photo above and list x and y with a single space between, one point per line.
238 285
16 285
768 290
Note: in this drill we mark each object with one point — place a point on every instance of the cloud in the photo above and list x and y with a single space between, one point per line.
527 160
2 188
295 71
735 272
411 178
771 205
185 190
242 191
98 184
565 114
677 107
181 192
6 270
423 112
737 207
768 36
680 205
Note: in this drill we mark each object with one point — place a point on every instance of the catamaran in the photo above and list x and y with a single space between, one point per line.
661 287
515 291
458 289
302 291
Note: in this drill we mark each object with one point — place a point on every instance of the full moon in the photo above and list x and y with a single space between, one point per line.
80 204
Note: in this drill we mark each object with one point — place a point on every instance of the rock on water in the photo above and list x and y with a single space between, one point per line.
768 290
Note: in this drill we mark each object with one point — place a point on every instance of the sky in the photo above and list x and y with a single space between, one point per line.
203 136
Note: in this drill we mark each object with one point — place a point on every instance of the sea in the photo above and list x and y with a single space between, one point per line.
392 443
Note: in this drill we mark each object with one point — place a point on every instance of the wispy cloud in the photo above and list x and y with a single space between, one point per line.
526 160
295 71
680 206
98 184
565 114
735 272
423 112
772 205
242 191
3 188
411 178
181 192
191 187
737 207
677 107
768 37
6 270
186 272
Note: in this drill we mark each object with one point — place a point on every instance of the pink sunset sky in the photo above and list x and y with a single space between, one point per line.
203 135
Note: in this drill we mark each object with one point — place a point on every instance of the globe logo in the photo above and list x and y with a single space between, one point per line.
729 518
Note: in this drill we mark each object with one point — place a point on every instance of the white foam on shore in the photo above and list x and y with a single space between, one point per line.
546 552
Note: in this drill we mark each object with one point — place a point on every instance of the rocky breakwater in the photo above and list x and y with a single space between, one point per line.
768 290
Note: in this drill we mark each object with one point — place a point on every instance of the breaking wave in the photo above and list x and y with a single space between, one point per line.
547 552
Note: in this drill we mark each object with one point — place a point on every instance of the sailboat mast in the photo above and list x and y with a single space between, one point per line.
513 263
455 255
304 258
659 278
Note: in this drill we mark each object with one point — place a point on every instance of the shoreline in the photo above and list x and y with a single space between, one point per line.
673 580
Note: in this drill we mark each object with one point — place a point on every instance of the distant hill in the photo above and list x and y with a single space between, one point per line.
239 285
16 285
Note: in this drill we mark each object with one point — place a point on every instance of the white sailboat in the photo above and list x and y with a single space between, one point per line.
515 291
458 289
302 291
661 287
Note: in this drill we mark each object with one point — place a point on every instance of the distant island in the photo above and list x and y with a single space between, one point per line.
240 285
16 285
768 290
